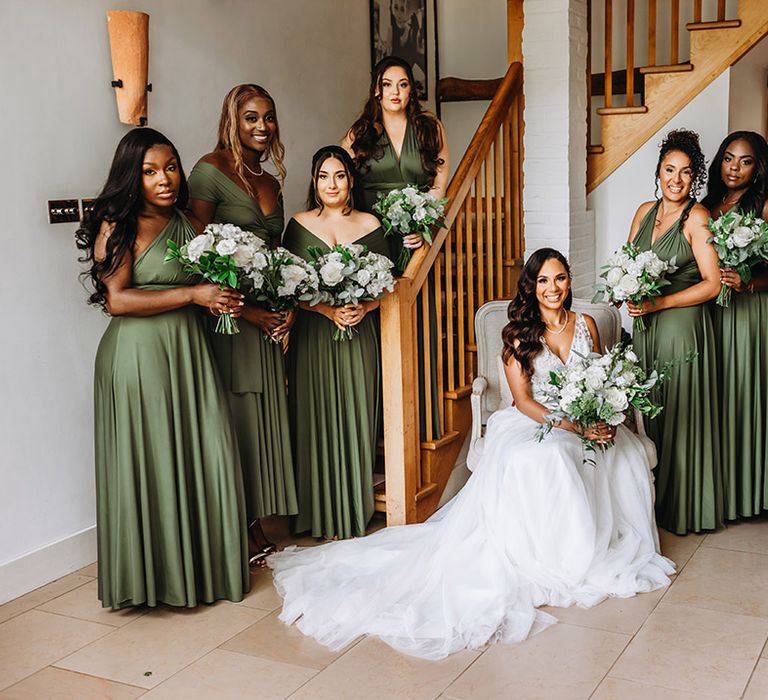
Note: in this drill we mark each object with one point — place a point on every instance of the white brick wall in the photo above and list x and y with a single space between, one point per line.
554 194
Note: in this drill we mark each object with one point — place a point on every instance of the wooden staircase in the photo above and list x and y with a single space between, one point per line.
714 46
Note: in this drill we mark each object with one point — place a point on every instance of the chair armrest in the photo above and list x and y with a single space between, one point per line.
479 385
639 424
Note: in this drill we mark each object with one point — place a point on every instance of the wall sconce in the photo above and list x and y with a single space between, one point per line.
129 45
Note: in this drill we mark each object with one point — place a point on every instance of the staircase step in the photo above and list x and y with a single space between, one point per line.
640 109
723 24
596 148
671 68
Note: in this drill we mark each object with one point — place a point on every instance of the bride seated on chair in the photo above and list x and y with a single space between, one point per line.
534 525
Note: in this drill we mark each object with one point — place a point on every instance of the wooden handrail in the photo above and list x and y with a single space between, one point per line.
461 90
461 182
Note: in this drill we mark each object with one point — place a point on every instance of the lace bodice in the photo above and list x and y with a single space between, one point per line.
547 361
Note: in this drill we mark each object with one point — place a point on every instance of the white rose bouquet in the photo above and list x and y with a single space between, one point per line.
630 275
600 389
741 242
280 280
349 274
222 254
406 211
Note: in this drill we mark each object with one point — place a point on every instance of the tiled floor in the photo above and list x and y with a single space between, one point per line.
704 637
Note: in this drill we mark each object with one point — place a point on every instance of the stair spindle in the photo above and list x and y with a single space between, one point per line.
651 32
697 11
720 10
608 59
630 53
674 51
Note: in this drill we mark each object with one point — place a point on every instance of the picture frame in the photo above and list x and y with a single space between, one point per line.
399 28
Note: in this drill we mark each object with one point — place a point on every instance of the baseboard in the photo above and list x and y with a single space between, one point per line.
29 571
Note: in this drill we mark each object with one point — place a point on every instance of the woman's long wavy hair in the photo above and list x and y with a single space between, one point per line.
367 130
753 200
522 335
687 142
119 204
229 133
355 199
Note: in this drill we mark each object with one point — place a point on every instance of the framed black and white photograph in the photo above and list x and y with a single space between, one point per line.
399 28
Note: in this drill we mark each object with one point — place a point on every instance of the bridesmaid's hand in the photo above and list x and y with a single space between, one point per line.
645 307
289 317
730 278
353 313
337 314
268 321
413 241
219 301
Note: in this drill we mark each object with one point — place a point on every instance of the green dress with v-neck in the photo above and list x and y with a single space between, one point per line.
171 525
251 366
689 480
742 363
382 176
334 398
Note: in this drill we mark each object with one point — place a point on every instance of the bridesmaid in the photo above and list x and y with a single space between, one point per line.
335 386
689 488
230 185
738 179
395 143
169 494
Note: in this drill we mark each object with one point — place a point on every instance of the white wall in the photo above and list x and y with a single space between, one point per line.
615 201
59 129
749 91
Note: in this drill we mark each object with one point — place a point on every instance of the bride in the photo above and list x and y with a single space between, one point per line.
534 525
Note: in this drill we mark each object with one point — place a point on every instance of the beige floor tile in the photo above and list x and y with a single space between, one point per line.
618 689
91 570
31 641
743 536
374 671
563 661
262 594
41 595
721 579
222 675
57 684
84 604
679 548
757 688
694 650
272 639
152 648
624 615
764 653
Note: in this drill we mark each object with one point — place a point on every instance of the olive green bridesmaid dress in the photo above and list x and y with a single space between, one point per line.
334 398
252 366
689 481
384 175
169 494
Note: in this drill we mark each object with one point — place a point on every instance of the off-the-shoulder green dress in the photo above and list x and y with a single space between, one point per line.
169 494
334 398
689 480
251 366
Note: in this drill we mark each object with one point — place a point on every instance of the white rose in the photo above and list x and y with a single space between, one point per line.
332 272
226 246
243 255
616 419
419 214
616 399
594 377
614 276
257 278
363 276
742 236
634 268
629 285
199 245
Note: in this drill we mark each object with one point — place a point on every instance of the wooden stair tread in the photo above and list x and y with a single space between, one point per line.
671 68
722 24
640 109
596 148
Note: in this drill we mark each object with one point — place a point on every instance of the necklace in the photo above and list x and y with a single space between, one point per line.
565 325
253 172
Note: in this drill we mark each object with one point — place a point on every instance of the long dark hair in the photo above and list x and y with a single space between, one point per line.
119 204
685 141
356 197
526 327
367 130
753 200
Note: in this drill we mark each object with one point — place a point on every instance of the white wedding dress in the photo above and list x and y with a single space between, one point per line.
534 525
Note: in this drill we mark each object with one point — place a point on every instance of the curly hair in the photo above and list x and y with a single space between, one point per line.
686 142
753 200
229 134
356 197
119 204
367 130
522 335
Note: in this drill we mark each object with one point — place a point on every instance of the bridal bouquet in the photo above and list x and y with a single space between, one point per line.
600 389
349 274
222 254
280 280
406 211
633 276
741 242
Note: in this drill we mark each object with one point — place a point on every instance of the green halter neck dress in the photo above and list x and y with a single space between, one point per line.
741 331
689 480
252 367
335 406
169 494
